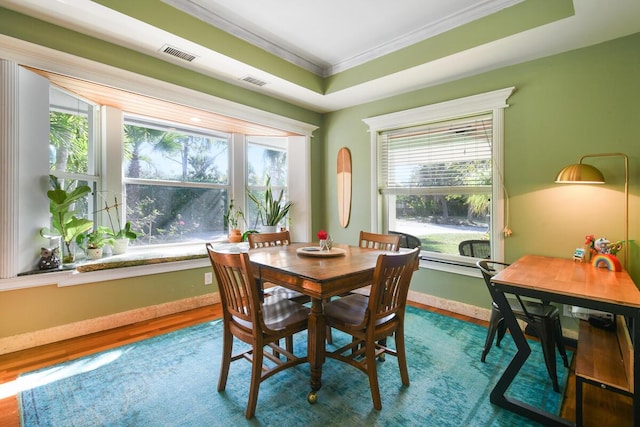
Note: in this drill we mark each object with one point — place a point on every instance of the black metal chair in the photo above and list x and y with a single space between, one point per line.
542 317
407 240
475 248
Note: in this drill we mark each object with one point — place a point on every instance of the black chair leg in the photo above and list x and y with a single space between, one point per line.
502 330
547 340
560 343
494 323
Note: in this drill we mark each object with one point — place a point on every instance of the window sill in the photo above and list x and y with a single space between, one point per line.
135 262
455 266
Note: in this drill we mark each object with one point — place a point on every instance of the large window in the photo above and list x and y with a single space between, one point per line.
177 181
438 175
169 163
437 181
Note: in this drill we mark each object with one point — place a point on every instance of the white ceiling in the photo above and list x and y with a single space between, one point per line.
333 35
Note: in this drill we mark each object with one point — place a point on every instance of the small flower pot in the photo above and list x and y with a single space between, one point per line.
235 235
94 253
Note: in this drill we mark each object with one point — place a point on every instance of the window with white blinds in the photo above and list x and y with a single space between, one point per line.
449 157
437 177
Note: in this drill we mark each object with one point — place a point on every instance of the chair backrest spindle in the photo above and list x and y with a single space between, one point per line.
384 242
261 240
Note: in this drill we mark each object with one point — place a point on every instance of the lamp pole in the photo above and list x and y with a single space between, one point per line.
626 199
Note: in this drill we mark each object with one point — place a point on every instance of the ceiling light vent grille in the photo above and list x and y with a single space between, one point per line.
169 50
253 81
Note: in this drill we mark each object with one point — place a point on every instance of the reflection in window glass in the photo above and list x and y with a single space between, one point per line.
177 181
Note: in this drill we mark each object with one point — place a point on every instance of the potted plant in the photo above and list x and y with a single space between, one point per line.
231 220
96 240
64 222
120 236
271 210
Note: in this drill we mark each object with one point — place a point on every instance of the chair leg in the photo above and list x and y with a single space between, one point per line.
547 340
256 374
494 322
372 372
502 330
289 343
227 348
560 342
401 355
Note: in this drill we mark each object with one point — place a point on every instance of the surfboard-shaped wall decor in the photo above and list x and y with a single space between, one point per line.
344 186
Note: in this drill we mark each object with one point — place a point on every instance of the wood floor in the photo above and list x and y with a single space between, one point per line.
602 408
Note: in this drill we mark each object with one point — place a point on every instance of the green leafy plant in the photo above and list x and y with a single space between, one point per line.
64 220
233 216
96 238
271 210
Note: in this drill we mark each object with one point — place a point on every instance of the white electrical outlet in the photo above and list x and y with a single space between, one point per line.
208 278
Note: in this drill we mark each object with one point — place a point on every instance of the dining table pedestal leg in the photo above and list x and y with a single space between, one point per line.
316 349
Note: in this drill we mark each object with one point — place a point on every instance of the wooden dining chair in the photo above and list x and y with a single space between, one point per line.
259 324
544 319
385 242
371 319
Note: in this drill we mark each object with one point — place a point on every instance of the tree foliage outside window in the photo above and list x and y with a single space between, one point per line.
72 142
177 182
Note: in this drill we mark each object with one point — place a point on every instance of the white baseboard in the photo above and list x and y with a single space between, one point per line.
450 305
469 310
89 326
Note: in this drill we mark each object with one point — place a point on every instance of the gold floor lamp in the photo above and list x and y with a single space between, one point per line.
582 173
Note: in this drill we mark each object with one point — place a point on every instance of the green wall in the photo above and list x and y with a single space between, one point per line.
585 101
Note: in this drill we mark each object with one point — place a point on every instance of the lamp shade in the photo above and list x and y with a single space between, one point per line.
580 173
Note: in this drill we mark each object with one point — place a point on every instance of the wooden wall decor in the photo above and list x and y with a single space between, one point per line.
344 186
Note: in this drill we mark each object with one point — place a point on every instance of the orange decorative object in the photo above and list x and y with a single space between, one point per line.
607 260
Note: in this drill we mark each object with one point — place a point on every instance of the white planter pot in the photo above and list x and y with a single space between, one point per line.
268 228
95 253
120 246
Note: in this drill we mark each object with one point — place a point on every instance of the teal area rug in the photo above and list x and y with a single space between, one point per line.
171 380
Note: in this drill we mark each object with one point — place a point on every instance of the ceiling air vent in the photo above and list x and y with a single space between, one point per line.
253 81
169 50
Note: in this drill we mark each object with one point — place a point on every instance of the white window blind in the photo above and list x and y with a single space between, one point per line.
449 157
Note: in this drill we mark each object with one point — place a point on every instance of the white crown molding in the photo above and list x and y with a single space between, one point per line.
465 16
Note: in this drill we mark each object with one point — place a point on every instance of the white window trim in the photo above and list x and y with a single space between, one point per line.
494 102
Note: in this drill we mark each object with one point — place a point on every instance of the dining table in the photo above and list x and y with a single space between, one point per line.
320 275
564 281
